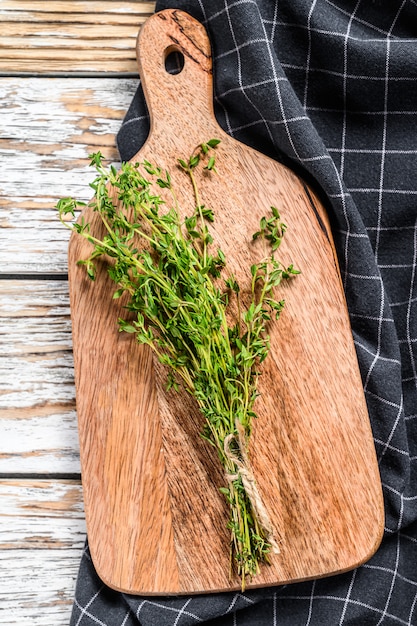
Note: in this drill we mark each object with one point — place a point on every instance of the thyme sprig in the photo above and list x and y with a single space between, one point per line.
173 278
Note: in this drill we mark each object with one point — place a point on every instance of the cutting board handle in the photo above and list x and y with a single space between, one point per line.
156 519
176 99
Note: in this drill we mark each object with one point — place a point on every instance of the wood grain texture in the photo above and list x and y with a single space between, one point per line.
48 128
37 394
40 590
42 534
54 508
151 484
82 35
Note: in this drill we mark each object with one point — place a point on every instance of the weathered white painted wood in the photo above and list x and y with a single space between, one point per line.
48 128
41 443
38 379
37 394
37 587
21 299
82 35
41 515
33 241
42 534
104 10
39 299
56 111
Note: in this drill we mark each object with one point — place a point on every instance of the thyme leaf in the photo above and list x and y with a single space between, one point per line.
171 274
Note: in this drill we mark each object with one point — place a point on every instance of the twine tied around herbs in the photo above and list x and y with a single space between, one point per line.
244 470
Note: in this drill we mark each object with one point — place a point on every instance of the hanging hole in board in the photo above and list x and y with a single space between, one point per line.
174 60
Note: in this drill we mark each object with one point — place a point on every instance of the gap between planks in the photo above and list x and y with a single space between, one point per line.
42 525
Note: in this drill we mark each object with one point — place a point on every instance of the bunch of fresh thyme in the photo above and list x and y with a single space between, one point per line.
180 302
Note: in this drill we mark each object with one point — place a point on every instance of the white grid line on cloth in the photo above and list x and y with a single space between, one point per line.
255 85
392 432
234 600
397 266
232 604
389 403
390 229
183 611
389 570
392 448
128 614
376 251
138 118
404 192
242 46
394 577
139 608
370 151
318 31
319 157
274 23
401 303
404 535
353 235
274 609
347 599
361 316
410 339
412 608
334 598
336 74
230 5
344 88
358 20
225 112
310 604
341 35
383 146
281 104
362 112
369 277
239 67
308 60
383 359
272 123
380 192
399 493
84 609
337 34
341 196
395 20
166 607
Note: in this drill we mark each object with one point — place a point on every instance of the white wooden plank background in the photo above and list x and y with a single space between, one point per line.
48 128
42 534
82 35
37 395
67 76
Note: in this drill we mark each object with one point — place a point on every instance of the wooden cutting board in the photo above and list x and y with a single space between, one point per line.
156 520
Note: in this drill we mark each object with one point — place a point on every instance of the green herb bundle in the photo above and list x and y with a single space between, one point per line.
181 305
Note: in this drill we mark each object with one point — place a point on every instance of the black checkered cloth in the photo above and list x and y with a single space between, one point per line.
329 87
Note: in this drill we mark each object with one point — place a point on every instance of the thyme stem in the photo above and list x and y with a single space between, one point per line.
168 269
